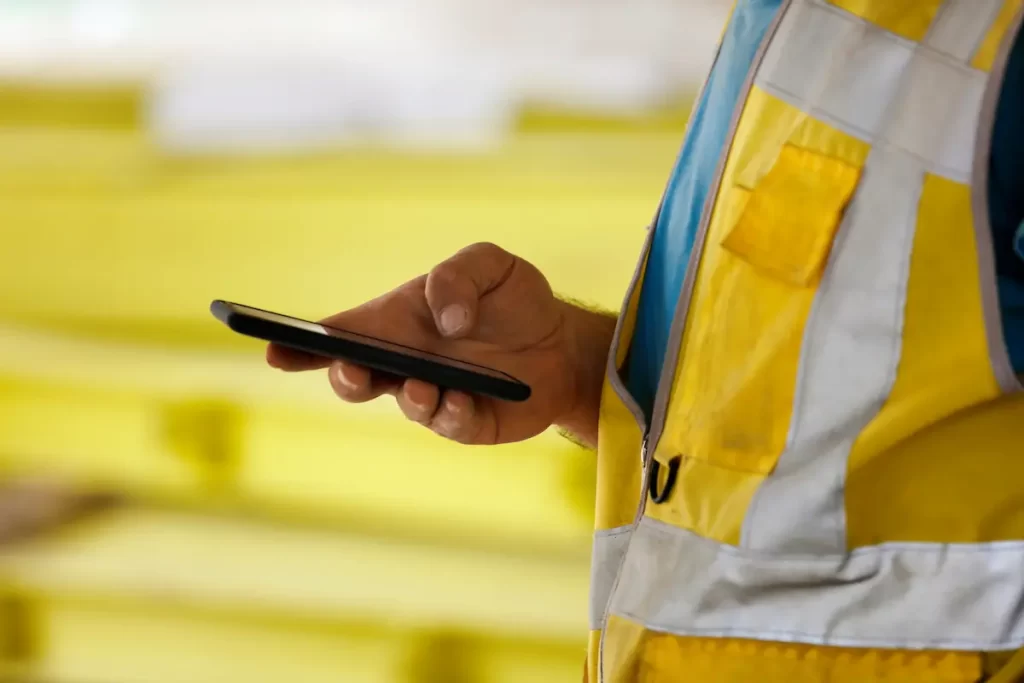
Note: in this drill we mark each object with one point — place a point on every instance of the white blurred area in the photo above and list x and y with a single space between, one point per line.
242 75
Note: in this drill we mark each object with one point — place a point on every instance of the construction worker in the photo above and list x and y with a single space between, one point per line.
808 415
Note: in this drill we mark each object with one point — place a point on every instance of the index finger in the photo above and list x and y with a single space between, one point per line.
454 288
293 360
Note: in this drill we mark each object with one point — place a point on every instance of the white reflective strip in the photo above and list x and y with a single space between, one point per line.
856 86
937 118
609 549
850 353
909 596
940 101
853 339
961 25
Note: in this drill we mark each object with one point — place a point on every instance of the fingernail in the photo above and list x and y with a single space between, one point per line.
458 404
453 319
339 372
418 405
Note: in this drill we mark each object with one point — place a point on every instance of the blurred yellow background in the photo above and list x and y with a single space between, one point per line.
262 530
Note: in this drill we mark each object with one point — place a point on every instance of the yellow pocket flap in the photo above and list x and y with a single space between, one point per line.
790 219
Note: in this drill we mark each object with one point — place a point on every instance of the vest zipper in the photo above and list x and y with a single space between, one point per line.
653 432
669 365
612 371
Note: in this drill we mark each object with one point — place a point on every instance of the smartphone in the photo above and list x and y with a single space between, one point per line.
378 354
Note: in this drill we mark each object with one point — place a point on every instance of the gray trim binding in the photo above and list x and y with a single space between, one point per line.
606 558
602 579
998 353
611 369
614 377
682 305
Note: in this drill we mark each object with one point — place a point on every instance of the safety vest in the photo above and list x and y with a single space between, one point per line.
832 483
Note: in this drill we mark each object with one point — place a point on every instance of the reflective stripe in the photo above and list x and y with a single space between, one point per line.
960 27
906 596
793 579
609 548
844 377
853 340
858 90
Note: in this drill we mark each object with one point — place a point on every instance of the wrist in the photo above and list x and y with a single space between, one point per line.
588 337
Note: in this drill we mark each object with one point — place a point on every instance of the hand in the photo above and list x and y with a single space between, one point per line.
487 307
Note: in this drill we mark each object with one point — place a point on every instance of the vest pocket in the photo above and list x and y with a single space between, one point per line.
767 249
791 217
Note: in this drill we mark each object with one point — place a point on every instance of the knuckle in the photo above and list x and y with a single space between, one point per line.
413 411
443 274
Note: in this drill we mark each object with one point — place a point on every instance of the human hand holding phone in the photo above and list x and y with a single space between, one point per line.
487 307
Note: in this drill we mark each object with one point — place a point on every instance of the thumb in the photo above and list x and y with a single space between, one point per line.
454 288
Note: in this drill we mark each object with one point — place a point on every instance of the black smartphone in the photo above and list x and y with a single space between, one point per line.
378 354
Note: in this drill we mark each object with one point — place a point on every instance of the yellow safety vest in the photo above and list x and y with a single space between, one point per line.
832 483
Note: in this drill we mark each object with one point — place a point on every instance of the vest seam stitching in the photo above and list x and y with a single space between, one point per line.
665 529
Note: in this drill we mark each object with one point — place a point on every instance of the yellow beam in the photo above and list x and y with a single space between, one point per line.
102 234
118 640
234 566
135 418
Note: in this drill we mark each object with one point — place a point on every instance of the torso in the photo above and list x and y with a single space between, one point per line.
828 484
687 190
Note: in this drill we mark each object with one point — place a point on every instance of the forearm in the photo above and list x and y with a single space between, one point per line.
589 336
